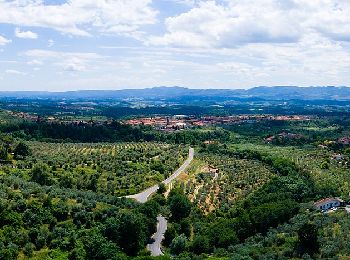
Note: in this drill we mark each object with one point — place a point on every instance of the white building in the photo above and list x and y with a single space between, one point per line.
328 203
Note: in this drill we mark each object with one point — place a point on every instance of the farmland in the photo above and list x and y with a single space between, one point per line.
66 189
117 169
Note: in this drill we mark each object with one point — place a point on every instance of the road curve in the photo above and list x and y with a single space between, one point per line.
143 196
158 237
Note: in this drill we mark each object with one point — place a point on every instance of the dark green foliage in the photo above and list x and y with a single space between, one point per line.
128 230
221 233
78 252
106 132
22 150
29 249
98 247
185 227
32 220
179 204
178 245
161 188
200 244
169 235
3 153
40 174
308 243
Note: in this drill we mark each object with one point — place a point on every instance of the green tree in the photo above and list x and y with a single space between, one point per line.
308 241
129 230
161 188
178 245
40 174
169 235
200 245
78 252
21 150
3 153
29 249
180 206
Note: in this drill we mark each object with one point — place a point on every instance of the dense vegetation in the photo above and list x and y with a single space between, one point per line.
104 132
245 196
46 222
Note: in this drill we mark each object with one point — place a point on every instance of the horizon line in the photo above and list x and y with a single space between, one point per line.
181 87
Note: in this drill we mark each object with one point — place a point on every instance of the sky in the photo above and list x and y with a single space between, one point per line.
60 45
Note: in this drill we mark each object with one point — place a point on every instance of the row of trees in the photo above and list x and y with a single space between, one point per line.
268 206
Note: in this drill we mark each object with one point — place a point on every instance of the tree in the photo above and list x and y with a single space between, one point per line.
29 249
161 188
22 150
200 245
308 242
178 245
40 174
129 230
3 153
185 227
98 247
158 166
222 233
180 207
169 235
78 252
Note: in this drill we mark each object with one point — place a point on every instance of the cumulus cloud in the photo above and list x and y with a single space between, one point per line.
25 34
4 41
78 17
228 24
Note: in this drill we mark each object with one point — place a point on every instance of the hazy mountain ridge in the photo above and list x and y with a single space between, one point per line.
169 93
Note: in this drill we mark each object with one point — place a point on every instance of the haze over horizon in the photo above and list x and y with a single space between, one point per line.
62 45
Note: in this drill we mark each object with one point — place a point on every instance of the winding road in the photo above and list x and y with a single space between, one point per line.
158 237
143 196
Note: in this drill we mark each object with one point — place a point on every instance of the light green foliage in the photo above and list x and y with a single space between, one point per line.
118 169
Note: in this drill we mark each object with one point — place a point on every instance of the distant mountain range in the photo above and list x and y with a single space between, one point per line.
179 93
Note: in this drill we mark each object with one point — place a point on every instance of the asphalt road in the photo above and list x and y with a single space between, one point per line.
144 195
158 237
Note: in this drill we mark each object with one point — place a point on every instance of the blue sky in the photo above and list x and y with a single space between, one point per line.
60 45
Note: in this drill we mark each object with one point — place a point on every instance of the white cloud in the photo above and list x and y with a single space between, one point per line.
25 34
4 41
50 43
78 17
14 72
35 62
74 65
66 61
228 24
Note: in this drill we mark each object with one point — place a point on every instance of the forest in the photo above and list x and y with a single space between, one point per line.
248 193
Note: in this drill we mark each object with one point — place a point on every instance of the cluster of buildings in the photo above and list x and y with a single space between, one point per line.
283 135
23 115
344 140
162 123
184 121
